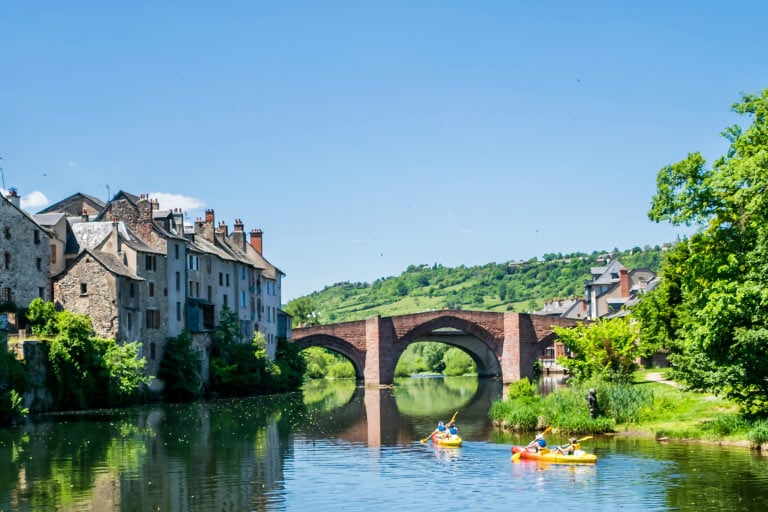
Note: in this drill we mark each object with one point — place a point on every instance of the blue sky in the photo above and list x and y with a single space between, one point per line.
363 137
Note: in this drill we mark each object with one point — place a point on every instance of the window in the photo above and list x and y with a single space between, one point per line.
210 294
151 289
243 300
6 295
152 350
129 322
36 236
178 311
191 289
41 292
226 300
151 262
227 278
39 263
221 279
153 319
53 253
197 289
242 273
7 231
7 260
176 250
83 288
178 280
131 293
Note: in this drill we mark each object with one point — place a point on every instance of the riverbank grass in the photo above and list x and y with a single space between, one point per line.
650 406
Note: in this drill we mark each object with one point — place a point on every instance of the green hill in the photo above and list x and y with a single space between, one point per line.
511 286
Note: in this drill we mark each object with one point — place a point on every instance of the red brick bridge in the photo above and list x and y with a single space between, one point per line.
501 344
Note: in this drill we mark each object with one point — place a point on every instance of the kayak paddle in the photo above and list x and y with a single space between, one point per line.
516 456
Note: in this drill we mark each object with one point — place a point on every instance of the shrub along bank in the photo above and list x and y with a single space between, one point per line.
84 371
640 407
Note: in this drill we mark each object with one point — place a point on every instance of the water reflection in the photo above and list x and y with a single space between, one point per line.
340 445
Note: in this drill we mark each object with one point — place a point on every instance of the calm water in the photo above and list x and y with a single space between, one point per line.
341 447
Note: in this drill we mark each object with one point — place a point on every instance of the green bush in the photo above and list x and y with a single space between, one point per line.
758 434
518 415
523 388
725 425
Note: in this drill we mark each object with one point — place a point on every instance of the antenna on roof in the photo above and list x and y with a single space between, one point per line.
2 175
109 194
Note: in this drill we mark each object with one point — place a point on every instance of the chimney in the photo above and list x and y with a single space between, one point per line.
623 282
222 229
256 240
238 235
178 220
84 215
114 235
204 228
13 197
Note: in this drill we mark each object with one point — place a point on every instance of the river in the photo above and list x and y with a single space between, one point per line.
340 446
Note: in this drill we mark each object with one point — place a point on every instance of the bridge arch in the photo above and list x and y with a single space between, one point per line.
339 345
478 342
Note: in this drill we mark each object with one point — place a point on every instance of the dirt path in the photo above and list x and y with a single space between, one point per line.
659 377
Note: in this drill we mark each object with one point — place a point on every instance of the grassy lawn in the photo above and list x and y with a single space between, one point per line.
680 414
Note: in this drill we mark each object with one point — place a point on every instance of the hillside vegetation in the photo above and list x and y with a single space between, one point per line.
521 286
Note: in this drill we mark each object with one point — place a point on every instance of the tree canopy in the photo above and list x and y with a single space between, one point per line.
711 308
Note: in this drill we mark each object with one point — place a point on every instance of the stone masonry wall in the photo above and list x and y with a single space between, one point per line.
25 249
98 303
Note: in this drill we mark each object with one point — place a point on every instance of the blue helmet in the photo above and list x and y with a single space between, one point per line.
441 427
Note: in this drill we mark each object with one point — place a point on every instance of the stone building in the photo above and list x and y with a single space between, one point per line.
141 274
25 256
614 286
118 281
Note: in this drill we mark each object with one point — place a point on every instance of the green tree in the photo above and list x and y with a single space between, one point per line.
606 349
42 317
303 312
716 309
125 370
180 368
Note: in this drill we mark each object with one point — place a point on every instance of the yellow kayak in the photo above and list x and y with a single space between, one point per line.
449 440
547 455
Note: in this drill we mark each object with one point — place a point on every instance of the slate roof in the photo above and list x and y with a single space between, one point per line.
48 219
55 207
113 264
87 235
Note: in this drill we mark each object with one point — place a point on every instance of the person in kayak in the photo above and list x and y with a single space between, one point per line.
569 448
537 444
452 428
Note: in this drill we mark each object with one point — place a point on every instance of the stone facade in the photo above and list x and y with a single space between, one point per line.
25 255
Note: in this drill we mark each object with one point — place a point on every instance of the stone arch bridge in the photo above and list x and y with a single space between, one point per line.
501 344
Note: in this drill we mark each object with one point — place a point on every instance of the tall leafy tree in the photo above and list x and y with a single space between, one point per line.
714 301
606 349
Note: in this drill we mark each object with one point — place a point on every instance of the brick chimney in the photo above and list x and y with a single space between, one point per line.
623 282
256 240
84 215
